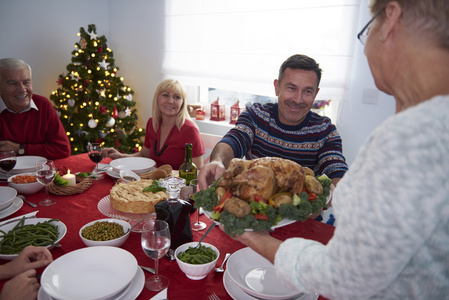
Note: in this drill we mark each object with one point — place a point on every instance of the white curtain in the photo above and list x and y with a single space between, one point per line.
239 45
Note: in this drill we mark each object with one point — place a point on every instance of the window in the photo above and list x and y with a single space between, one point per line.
239 45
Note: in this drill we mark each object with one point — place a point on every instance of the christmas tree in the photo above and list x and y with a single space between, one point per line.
93 103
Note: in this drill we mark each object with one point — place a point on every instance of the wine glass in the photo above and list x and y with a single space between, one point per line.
155 242
7 161
197 225
96 155
46 172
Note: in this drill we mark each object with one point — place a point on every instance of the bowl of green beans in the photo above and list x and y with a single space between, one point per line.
105 232
197 262
17 235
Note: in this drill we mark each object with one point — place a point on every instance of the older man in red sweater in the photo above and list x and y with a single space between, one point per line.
29 124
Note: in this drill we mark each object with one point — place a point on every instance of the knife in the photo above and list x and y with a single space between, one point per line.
151 270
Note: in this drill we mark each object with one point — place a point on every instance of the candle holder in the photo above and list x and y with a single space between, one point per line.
236 109
217 111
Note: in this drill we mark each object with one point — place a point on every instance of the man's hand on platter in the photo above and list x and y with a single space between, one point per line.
210 173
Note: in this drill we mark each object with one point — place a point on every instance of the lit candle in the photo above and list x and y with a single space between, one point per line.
70 177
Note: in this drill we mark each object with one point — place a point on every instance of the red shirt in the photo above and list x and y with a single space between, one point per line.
40 131
175 151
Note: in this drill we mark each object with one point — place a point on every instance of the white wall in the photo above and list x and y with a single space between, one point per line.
43 33
356 119
137 36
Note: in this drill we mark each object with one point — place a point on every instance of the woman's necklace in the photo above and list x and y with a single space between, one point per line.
157 153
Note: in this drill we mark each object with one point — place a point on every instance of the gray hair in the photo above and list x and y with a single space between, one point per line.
426 18
13 64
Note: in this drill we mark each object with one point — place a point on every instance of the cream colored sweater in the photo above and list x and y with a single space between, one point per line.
392 211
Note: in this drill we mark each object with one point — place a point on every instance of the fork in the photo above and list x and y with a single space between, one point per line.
214 297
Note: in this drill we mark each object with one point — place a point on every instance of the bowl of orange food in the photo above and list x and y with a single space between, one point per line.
25 183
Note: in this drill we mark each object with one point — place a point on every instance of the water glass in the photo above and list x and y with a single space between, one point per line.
155 240
45 173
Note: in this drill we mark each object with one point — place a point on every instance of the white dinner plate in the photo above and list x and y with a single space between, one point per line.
130 292
281 223
15 206
237 294
25 164
62 229
135 164
256 276
89 273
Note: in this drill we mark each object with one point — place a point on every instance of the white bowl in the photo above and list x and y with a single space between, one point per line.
195 272
89 273
115 242
256 276
135 164
62 230
7 195
25 188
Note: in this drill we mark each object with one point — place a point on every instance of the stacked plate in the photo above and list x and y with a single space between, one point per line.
94 273
250 276
24 164
9 202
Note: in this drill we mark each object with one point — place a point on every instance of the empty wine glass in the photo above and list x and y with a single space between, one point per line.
45 170
7 161
155 240
197 225
96 155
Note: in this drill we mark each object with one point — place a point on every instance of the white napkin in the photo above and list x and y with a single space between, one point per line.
31 214
102 168
162 295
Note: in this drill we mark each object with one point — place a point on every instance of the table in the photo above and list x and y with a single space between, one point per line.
77 210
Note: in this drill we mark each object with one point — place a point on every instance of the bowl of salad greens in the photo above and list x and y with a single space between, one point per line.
264 215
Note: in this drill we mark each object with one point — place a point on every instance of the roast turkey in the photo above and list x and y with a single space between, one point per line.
263 177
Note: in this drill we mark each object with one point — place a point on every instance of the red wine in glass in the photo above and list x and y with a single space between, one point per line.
96 155
7 161
7 164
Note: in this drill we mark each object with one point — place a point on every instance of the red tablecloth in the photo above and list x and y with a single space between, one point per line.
77 210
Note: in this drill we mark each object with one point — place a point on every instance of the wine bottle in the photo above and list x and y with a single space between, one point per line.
188 170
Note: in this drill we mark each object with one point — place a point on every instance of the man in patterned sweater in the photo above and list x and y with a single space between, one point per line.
286 129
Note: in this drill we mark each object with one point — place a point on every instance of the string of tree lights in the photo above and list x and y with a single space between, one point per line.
93 103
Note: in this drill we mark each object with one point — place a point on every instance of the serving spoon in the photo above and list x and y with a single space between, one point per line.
221 269
24 200
207 232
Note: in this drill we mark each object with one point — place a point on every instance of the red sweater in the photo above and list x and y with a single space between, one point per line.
41 132
175 152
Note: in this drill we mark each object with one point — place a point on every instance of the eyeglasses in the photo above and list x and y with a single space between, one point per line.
363 34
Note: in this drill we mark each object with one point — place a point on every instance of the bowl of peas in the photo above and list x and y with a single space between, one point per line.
105 232
196 262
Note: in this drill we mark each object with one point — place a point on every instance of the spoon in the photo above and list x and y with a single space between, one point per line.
30 203
207 232
220 269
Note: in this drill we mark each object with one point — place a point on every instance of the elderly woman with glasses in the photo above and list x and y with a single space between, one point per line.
399 182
